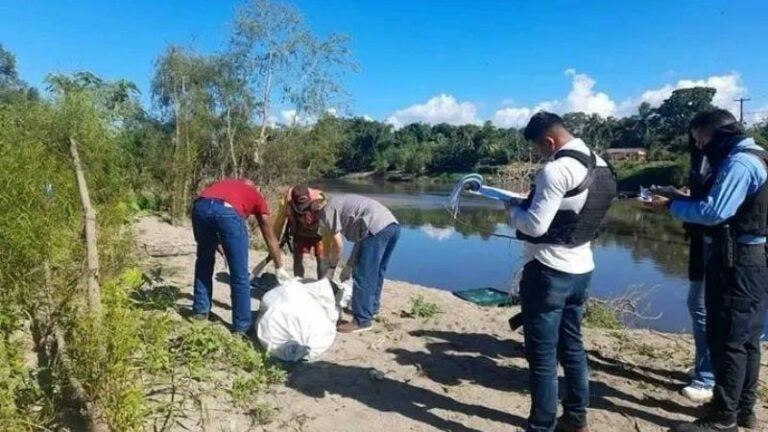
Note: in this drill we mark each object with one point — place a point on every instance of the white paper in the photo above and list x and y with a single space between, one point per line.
498 194
473 184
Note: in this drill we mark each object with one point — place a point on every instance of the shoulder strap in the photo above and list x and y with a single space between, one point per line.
589 161
759 153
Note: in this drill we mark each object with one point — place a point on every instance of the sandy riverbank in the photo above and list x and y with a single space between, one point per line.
461 371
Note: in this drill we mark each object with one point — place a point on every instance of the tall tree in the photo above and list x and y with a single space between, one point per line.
11 86
116 100
181 88
287 64
672 116
234 103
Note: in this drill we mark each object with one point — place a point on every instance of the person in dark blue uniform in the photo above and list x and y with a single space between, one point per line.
734 212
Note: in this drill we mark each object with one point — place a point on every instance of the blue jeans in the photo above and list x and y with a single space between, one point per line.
368 276
704 374
553 305
213 222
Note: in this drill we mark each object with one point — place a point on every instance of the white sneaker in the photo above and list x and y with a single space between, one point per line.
697 393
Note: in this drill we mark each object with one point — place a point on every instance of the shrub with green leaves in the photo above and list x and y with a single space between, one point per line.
421 308
204 348
602 315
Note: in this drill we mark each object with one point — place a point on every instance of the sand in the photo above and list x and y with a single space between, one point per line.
460 371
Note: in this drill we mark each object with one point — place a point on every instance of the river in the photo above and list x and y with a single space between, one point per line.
637 253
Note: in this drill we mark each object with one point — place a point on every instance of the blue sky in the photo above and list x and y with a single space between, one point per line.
455 61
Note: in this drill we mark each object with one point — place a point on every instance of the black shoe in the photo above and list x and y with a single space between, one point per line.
199 317
747 420
708 424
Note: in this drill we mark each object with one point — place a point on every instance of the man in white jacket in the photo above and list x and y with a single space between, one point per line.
568 201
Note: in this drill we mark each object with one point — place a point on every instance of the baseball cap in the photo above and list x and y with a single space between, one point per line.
300 199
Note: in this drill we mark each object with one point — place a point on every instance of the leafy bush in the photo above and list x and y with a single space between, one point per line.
22 403
601 315
421 308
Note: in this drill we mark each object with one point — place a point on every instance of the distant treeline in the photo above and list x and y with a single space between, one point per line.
213 116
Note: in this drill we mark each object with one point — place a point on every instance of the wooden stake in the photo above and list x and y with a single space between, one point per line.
92 251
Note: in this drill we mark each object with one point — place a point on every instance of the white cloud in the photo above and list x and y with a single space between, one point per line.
366 117
442 108
518 117
583 98
289 116
438 234
759 116
332 112
727 87
512 117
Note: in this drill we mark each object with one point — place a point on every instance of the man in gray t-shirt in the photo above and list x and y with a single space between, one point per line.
374 231
355 216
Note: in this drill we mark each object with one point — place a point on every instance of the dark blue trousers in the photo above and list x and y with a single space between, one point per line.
215 223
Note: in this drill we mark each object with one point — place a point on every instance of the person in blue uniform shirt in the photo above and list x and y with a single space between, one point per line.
734 212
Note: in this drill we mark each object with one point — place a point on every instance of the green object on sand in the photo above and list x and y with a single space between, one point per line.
484 296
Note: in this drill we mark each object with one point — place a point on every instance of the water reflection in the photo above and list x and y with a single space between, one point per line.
648 236
636 249
472 221
436 233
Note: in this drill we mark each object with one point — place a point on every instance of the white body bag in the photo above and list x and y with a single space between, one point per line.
297 321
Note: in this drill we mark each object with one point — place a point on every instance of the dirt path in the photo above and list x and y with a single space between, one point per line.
462 371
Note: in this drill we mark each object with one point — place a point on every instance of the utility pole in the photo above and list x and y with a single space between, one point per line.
741 107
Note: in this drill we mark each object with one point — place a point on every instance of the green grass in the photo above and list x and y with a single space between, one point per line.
421 308
601 315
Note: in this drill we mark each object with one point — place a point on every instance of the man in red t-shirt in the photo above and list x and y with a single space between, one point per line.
219 218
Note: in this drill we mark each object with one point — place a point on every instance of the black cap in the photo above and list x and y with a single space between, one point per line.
300 198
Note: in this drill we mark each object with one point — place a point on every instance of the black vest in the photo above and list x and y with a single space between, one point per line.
752 215
571 228
700 184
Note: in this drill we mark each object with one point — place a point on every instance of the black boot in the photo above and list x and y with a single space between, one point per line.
708 424
747 419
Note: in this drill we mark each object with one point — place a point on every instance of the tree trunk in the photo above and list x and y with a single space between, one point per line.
92 251
264 112
231 137
176 157
187 160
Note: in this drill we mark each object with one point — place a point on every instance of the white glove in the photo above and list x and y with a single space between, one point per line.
282 275
346 273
